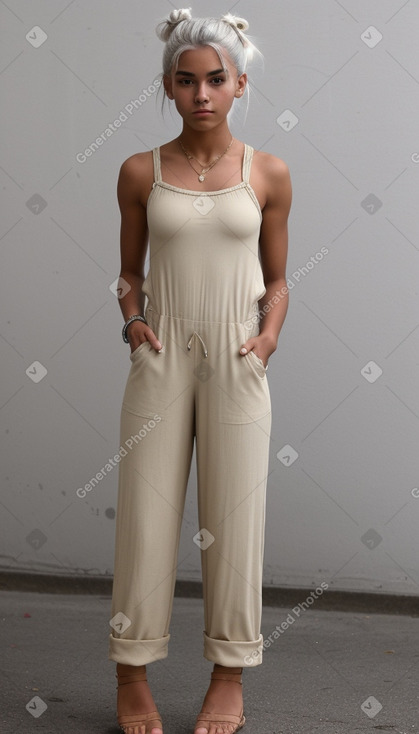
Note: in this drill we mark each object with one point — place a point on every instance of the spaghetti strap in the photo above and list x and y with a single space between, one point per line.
247 162
156 165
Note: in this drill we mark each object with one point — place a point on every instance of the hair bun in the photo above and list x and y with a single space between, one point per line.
239 24
165 28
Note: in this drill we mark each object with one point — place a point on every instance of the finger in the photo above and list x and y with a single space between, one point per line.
246 347
152 339
155 343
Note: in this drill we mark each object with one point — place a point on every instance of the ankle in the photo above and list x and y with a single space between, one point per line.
122 669
223 669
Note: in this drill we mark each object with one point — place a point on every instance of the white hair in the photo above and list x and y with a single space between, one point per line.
181 32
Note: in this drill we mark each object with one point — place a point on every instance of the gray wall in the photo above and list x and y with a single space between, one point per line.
344 379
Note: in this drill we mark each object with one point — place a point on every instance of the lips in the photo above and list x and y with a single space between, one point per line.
203 112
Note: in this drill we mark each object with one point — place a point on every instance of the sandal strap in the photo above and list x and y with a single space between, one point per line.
138 719
133 678
236 677
226 718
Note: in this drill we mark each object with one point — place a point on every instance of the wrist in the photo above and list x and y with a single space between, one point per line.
268 339
135 317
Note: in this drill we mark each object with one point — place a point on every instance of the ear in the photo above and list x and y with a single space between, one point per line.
167 83
241 85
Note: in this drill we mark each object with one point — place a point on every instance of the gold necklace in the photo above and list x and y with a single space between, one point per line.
201 176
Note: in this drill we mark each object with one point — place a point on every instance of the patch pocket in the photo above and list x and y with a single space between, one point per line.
256 364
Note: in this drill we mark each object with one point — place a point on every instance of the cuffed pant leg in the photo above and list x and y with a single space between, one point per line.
232 475
138 652
151 494
233 653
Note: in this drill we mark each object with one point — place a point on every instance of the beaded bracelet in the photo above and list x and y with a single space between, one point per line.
137 317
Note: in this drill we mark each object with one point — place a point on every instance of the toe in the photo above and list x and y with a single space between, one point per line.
215 728
223 728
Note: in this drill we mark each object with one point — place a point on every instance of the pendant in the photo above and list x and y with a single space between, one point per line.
201 177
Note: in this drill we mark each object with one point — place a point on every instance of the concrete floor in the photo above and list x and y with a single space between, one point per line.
329 672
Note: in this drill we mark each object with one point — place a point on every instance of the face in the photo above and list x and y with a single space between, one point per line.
200 83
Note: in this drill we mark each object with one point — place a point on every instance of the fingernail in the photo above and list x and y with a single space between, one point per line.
243 350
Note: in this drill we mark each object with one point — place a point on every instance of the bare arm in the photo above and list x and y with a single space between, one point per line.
273 244
133 248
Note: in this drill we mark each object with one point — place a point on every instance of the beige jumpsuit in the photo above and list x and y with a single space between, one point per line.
202 288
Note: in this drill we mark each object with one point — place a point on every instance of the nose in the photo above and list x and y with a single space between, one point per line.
201 94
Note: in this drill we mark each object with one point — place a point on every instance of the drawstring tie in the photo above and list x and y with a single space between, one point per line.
195 333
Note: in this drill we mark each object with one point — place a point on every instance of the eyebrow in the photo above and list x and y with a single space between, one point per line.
189 73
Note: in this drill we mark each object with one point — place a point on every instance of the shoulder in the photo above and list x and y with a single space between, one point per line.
136 176
276 180
137 165
273 167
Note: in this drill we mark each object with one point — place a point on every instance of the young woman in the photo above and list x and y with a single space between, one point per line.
216 213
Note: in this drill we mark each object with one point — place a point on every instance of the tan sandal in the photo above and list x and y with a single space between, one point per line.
208 719
132 720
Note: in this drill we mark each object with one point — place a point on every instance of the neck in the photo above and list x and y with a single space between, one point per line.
205 145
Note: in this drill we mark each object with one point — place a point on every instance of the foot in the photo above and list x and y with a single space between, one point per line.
134 699
222 697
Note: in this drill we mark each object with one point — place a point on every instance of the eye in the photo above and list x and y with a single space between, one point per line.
217 79
184 82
